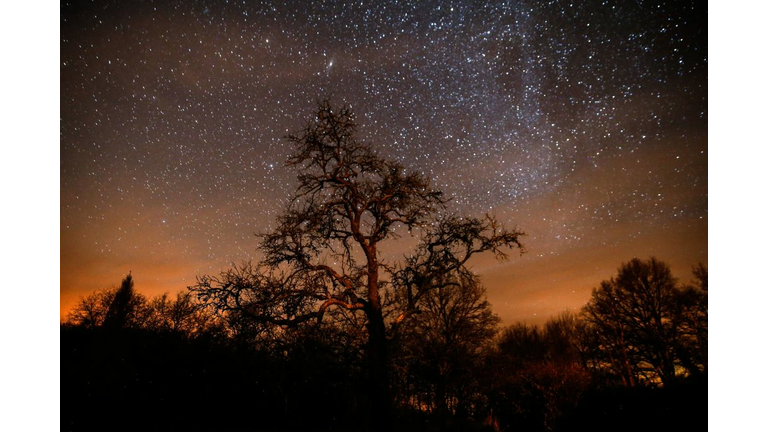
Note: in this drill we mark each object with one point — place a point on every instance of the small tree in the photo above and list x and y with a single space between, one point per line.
124 305
325 252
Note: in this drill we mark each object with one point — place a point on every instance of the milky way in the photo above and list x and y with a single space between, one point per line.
582 123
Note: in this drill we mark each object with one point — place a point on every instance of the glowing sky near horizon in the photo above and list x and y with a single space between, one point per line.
582 123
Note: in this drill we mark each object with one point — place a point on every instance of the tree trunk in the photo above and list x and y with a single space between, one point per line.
381 409
381 402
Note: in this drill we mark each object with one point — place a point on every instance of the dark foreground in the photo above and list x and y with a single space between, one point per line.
142 380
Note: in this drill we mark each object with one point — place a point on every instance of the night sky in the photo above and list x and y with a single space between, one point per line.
584 124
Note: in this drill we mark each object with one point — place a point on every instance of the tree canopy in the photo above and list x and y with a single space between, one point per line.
641 326
324 252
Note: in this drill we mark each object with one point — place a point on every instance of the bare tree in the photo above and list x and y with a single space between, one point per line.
439 344
534 376
90 310
445 250
701 274
325 252
692 320
637 324
181 315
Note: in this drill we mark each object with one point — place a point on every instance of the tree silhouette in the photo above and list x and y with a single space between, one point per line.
692 321
701 274
534 376
637 324
325 252
179 315
115 307
123 306
438 348
445 250
89 312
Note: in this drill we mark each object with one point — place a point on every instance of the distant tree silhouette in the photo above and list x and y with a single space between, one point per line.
114 307
125 305
639 324
437 352
89 312
561 334
692 320
701 274
325 252
181 315
534 376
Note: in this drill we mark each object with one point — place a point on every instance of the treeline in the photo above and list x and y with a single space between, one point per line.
635 357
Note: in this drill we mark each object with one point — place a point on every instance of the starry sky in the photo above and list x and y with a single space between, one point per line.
584 124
